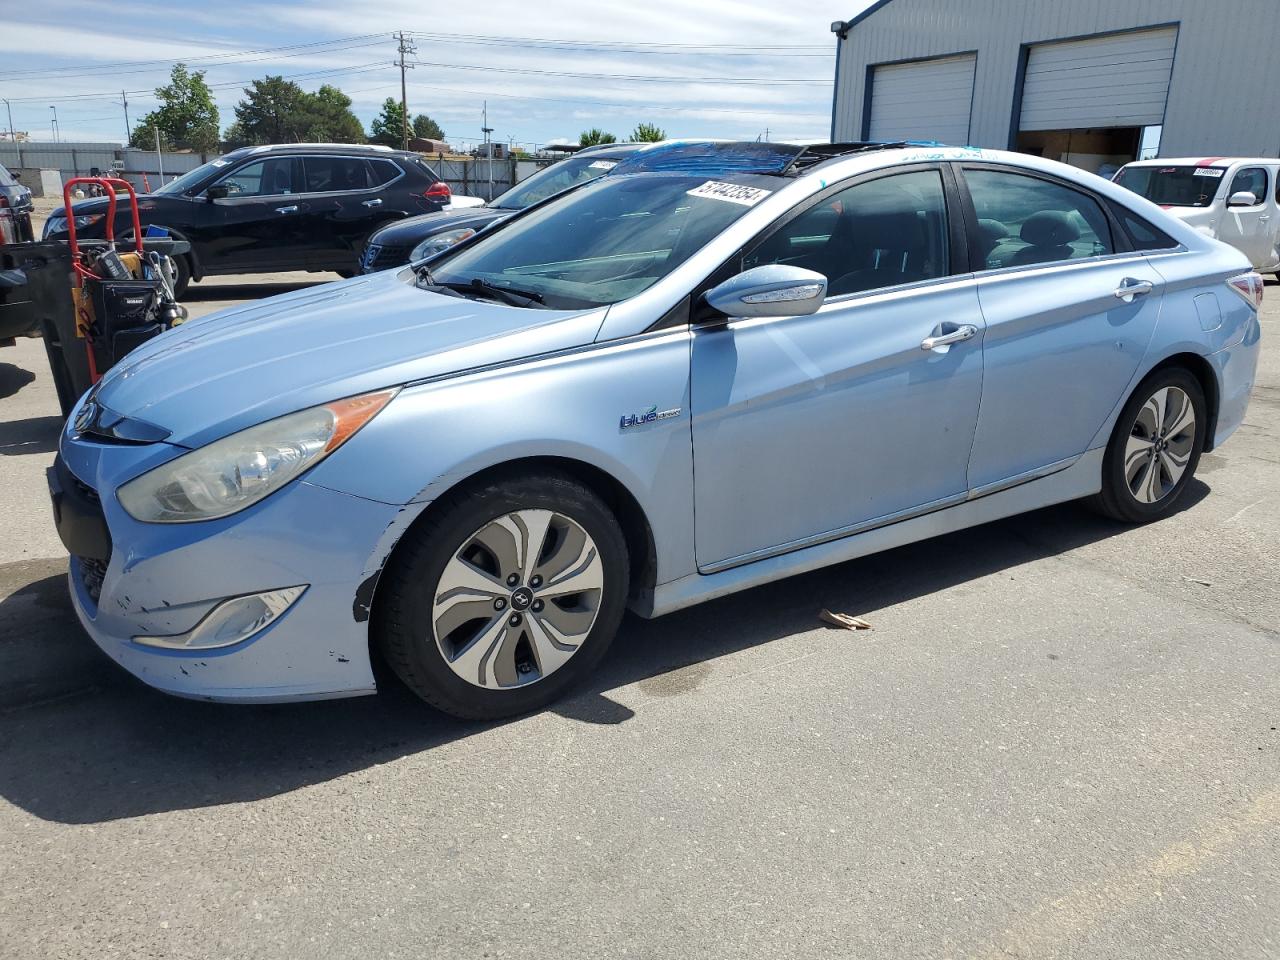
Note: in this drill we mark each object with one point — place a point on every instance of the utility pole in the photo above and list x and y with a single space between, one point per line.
405 47
13 137
488 147
55 122
128 130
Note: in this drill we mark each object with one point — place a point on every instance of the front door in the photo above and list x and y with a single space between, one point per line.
1251 229
813 427
1068 321
259 225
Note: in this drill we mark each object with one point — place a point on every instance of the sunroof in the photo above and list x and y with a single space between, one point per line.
709 157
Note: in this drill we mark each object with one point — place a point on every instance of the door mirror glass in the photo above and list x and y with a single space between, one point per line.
219 191
776 290
1242 198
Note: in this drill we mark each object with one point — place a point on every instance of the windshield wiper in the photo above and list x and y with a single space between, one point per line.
512 295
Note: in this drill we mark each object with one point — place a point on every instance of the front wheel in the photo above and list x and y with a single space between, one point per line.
505 596
1154 449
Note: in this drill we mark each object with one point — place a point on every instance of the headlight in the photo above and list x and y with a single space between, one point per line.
58 224
89 220
441 241
238 471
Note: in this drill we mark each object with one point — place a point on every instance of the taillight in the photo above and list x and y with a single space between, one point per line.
1250 287
4 201
439 191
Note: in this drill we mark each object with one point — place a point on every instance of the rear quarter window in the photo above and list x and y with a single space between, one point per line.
1142 235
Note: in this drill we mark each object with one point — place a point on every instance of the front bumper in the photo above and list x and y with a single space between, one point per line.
163 579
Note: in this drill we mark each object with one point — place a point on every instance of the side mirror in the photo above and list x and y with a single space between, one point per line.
776 290
1242 198
219 191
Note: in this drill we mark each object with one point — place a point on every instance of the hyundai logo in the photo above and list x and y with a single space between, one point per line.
84 419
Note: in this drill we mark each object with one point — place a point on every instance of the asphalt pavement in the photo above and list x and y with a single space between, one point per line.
1058 740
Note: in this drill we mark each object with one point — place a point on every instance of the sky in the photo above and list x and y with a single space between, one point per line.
548 70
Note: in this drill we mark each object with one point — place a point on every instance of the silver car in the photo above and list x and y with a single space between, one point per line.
739 363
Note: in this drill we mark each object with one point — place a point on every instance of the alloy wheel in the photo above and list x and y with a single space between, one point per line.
517 600
1160 444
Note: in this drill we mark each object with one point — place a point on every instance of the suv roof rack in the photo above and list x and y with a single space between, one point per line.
379 147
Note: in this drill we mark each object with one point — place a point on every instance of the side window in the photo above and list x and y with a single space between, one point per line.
1252 179
1024 220
383 171
1142 234
334 174
876 234
271 177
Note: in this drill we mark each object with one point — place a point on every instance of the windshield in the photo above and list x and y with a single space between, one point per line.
1173 186
6 179
193 177
606 241
553 179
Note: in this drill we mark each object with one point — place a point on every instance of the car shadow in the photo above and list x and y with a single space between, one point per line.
257 290
34 435
13 378
88 744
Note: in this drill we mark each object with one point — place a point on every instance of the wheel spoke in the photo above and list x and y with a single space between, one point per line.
1184 418
463 583
1148 481
585 573
534 524
550 647
1135 449
1173 467
472 662
1154 409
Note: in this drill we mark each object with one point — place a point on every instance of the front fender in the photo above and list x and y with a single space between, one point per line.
435 435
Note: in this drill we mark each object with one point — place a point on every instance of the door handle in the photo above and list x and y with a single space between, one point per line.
373 203
1130 288
1264 218
292 209
961 333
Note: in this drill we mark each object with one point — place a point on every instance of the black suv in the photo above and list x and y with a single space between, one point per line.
15 209
287 207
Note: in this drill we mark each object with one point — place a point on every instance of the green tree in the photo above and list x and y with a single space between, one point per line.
426 128
388 126
647 133
275 110
186 117
595 136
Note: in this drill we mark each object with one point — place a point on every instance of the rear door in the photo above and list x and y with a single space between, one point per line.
343 208
1069 314
815 427
1250 229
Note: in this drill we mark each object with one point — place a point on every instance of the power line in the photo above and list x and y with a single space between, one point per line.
763 81
615 44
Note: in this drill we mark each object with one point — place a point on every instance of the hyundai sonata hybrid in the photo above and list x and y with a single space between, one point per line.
744 362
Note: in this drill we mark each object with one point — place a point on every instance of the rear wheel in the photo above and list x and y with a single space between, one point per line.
1155 448
506 596
182 278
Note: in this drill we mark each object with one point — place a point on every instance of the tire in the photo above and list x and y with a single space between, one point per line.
347 274
1141 481
476 631
182 267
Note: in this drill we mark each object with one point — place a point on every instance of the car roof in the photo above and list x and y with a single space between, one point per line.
1199 161
352 149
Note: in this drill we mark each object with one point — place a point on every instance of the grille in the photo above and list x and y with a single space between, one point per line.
384 256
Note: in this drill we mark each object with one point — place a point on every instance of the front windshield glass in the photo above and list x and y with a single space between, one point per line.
605 241
551 180
1173 186
193 177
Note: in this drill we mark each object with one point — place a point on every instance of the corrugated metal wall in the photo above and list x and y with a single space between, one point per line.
927 100
1220 94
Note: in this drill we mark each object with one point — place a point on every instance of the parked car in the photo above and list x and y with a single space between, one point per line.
655 389
416 237
15 209
1236 200
287 207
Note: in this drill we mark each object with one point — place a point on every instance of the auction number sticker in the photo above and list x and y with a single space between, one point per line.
730 192
602 164
1215 172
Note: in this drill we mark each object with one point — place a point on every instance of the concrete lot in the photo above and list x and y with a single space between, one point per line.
1060 740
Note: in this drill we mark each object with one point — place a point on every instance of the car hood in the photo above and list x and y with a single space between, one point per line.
413 230
210 377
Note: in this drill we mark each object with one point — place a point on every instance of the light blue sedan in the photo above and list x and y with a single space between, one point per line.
731 364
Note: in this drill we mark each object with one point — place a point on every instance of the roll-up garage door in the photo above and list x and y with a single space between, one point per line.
925 100
1120 80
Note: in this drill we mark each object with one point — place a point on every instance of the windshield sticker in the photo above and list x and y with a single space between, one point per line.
1214 172
731 192
219 163
602 164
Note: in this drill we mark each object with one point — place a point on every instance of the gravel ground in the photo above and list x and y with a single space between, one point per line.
1059 740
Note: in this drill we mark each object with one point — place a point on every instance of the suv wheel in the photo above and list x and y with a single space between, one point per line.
506 596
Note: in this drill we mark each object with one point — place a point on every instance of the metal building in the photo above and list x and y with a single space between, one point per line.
1095 83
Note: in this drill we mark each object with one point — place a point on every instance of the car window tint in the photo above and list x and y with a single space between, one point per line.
1024 220
274 176
329 174
6 179
1251 179
881 233
383 171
